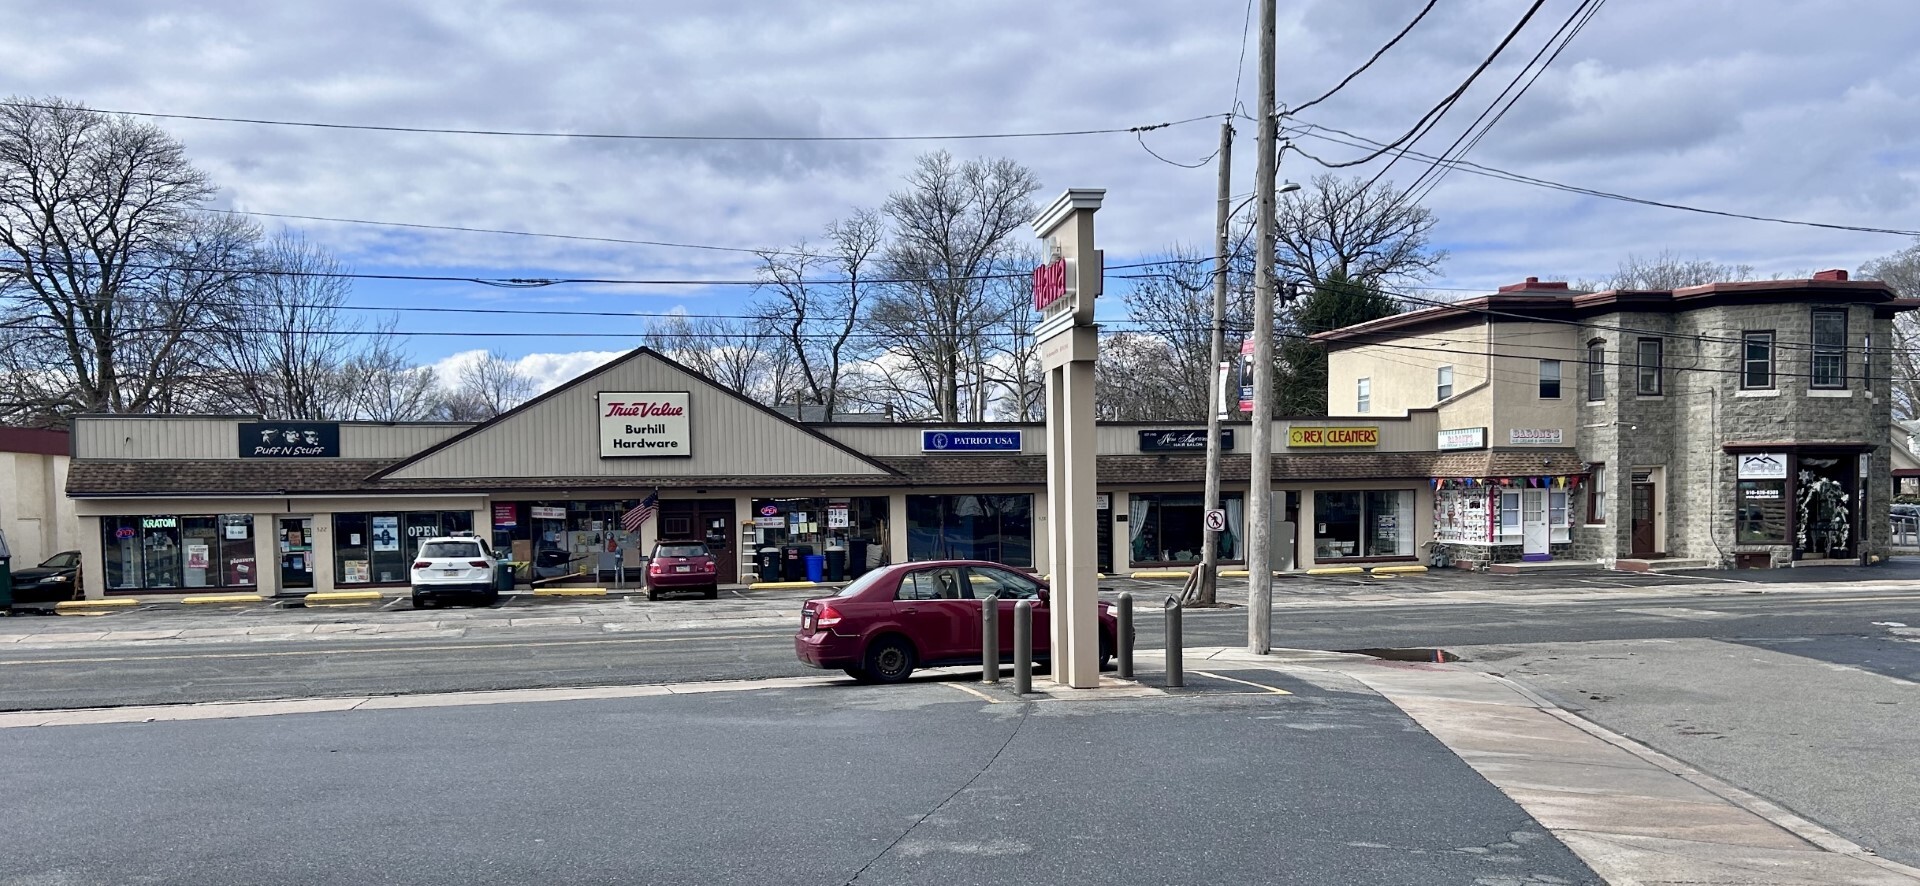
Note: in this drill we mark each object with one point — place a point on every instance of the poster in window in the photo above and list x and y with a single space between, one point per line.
236 531
386 533
357 572
196 556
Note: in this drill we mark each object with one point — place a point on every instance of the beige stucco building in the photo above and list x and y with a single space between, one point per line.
35 513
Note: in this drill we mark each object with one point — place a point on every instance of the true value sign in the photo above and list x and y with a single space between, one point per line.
644 424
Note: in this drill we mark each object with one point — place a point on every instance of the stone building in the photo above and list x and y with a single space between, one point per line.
1725 424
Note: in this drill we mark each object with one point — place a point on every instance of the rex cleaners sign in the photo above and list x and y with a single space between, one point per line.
646 424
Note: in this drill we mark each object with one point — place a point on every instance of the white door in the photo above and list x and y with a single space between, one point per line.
1533 523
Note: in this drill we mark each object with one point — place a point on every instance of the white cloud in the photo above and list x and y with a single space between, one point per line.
548 370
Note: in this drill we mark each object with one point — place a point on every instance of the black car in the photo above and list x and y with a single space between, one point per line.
50 582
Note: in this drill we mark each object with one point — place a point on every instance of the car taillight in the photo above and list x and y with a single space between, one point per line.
826 617
654 569
422 564
709 566
480 563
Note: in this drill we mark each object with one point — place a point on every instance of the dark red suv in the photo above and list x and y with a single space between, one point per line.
682 565
898 618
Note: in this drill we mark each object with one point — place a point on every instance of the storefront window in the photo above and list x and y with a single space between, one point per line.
1171 527
1363 524
378 548
857 525
998 528
164 552
1761 512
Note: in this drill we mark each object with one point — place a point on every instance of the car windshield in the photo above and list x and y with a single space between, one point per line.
61 560
449 550
681 551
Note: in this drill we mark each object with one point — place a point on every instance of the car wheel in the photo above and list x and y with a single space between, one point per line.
1106 652
490 598
653 594
713 593
420 602
889 660
859 674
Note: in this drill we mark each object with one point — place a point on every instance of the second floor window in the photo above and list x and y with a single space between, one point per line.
1363 399
1650 367
1596 373
1443 383
1829 368
1756 360
1549 379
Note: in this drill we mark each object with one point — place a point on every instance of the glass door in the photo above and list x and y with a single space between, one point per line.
296 554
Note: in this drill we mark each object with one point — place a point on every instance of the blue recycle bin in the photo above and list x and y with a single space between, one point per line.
816 566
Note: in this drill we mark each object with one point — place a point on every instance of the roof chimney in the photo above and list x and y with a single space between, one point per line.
1534 284
1836 275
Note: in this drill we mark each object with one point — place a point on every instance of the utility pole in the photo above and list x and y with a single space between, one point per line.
1210 547
1260 452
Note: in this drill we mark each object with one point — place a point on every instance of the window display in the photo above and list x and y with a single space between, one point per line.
172 553
1363 524
1170 528
379 548
998 528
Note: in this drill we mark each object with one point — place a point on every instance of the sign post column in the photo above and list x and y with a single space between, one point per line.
1064 290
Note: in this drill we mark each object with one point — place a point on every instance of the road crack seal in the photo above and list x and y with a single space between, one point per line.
1025 711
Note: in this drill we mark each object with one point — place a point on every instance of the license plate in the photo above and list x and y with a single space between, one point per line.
449 572
683 569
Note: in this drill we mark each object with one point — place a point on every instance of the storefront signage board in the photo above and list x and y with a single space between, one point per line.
158 523
1763 466
1299 437
642 425
836 518
774 522
289 439
1463 438
969 441
1183 440
1534 437
540 513
504 515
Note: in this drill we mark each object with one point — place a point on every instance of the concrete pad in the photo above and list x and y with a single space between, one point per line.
1709 821
1652 860
547 620
1435 681
348 627
198 633
117 636
66 637
281 629
749 685
512 696
157 713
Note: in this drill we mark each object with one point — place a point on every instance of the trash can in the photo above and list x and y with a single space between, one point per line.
503 577
816 567
769 564
795 559
836 564
856 558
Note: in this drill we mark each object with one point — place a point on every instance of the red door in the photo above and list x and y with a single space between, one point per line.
1644 541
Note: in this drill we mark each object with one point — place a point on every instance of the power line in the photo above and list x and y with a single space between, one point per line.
1519 178
467 230
208 118
1362 69
1427 121
1156 155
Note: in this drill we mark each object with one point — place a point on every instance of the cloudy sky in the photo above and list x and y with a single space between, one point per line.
1795 109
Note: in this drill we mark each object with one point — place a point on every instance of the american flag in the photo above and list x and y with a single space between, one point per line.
639 516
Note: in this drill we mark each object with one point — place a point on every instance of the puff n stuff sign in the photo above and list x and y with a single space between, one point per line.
644 424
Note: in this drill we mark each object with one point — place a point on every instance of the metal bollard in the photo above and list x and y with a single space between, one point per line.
990 639
1023 647
1124 642
1176 667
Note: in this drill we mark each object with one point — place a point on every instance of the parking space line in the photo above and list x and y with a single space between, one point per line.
972 691
1273 689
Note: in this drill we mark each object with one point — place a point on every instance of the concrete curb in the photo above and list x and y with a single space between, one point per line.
1160 573
1398 570
223 599
780 585
1336 570
568 592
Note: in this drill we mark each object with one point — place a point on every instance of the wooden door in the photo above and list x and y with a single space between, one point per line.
716 521
1644 540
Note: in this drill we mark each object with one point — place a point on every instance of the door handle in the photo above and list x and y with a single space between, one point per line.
910 610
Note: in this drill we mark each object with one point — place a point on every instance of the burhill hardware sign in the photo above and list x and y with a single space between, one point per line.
644 425
289 439
1182 440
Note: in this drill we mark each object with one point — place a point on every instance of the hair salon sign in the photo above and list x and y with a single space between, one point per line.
644 425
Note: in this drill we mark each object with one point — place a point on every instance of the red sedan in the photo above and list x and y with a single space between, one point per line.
913 615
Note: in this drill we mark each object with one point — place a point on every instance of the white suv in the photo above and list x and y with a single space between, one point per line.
453 566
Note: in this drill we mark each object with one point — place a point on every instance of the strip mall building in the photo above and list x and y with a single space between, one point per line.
1512 427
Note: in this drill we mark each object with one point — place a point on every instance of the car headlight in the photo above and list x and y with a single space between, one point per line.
53 579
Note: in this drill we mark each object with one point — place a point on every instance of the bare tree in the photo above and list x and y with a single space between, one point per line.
1666 271
1131 382
736 353
287 356
486 387
1901 270
118 282
383 384
952 224
1373 236
815 302
1173 302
